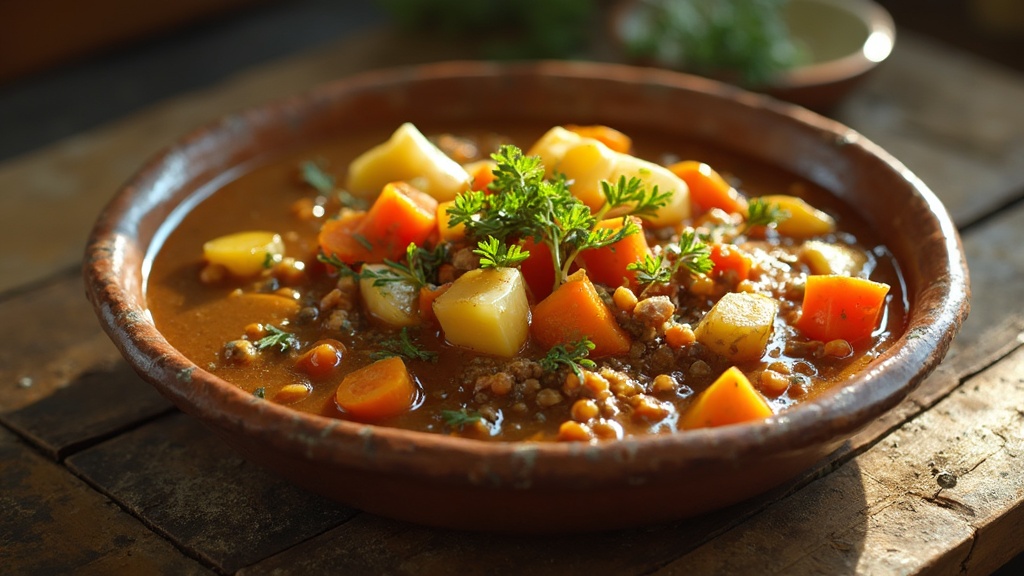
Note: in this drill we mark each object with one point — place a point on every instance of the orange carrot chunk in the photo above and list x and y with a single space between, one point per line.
575 311
340 237
610 137
841 307
731 399
322 359
400 215
728 258
382 389
707 188
538 270
608 265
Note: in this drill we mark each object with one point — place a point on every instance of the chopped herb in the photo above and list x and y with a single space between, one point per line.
333 260
460 418
260 392
403 346
526 205
314 175
573 356
496 254
420 268
270 260
277 337
761 213
691 253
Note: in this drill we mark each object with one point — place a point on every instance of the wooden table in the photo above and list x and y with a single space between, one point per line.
101 475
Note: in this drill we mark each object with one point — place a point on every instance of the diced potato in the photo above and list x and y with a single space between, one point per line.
587 161
394 303
731 399
486 310
804 220
824 258
738 326
244 253
408 155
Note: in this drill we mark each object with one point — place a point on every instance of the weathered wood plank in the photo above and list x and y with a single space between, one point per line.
53 523
58 339
188 485
95 405
906 524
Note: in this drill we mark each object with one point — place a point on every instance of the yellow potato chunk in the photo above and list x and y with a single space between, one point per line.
738 326
408 156
244 253
804 220
587 161
825 258
395 302
486 310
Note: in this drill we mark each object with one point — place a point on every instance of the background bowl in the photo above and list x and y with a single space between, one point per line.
536 487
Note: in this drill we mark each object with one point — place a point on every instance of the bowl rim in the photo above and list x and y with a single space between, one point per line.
113 285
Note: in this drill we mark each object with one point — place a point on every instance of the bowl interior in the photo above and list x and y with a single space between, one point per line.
401 473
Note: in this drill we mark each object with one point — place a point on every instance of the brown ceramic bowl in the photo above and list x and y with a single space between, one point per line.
536 487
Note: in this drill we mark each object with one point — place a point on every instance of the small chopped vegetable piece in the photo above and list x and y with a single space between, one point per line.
340 238
445 231
428 294
486 310
586 165
608 265
728 258
321 360
730 399
482 174
393 302
804 220
407 155
382 389
399 216
654 175
244 253
552 145
738 326
825 258
575 311
841 307
538 270
610 137
708 189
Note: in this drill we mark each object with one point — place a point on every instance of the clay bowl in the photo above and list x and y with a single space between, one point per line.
534 487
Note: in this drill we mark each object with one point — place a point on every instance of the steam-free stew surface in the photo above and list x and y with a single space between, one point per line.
649 389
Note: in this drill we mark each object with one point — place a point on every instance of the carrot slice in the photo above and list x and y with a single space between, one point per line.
538 270
382 389
574 311
608 265
610 137
729 400
841 307
707 188
728 258
322 359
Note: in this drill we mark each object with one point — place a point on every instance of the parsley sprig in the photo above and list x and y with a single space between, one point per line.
459 419
496 254
690 252
761 213
525 204
573 356
403 346
419 269
277 337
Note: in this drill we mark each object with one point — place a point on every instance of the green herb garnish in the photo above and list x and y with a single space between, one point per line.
526 205
403 346
314 175
335 262
277 337
460 418
690 252
574 356
260 392
420 268
496 254
761 213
